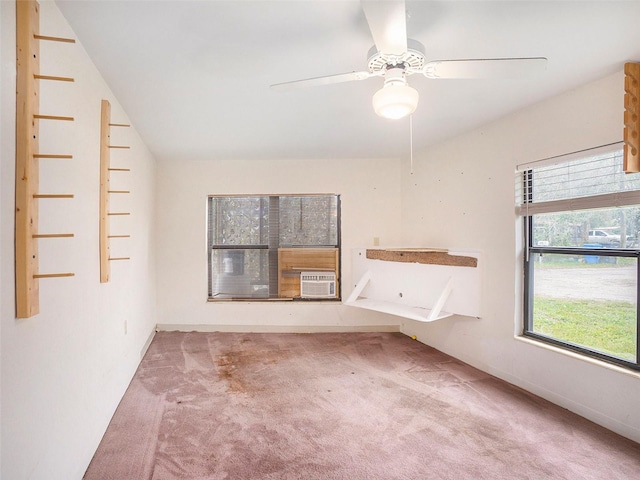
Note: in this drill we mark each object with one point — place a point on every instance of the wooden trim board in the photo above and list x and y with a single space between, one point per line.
424 256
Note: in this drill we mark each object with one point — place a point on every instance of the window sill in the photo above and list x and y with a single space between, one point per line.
275 300
578 356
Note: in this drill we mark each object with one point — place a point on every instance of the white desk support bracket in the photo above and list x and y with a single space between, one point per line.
442 299
364 280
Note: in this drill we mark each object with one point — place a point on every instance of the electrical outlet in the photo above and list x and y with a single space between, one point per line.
125 327
376 241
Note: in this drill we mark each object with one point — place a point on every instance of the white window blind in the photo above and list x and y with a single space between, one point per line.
582 180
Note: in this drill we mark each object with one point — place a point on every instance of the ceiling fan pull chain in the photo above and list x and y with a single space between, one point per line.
411 141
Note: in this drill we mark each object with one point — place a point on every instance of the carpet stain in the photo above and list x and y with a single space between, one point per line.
244 370
227 366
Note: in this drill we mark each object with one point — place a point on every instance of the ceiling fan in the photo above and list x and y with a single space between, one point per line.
395 57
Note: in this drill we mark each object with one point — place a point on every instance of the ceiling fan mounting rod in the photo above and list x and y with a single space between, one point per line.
395 75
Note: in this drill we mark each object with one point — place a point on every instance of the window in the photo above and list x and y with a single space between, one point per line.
260 246
582 227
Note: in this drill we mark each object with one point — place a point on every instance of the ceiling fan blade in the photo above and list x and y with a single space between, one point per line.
318 81
486 68
387 21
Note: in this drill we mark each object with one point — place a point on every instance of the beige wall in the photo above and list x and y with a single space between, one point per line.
462 195
65 370
370 199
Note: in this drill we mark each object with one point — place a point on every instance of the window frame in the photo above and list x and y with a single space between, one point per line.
529 281
272 246
529 278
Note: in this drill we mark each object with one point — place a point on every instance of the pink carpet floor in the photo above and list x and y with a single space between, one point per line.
358 406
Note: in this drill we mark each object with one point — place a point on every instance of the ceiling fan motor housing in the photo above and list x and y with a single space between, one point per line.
412 61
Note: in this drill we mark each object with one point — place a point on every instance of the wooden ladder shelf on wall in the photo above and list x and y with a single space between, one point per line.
419 284
106 191
631 117
28 155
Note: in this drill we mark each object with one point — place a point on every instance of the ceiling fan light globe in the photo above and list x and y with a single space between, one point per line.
395 101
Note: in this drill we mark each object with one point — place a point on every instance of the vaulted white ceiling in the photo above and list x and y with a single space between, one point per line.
194 76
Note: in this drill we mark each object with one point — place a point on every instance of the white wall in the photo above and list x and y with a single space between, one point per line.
65 370
370 197
462 195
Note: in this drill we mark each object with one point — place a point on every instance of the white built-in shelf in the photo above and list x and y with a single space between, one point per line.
418 284
392 308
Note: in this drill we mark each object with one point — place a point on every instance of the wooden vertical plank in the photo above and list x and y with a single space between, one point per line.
631 163
27 179
105 139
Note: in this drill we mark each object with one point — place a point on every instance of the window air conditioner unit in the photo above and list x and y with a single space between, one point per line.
317 284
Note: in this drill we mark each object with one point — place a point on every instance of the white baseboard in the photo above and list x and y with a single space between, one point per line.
277 328
145 347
